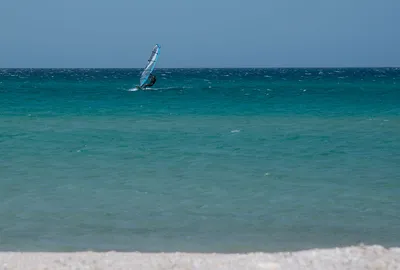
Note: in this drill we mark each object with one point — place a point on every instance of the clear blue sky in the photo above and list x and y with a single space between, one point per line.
199 33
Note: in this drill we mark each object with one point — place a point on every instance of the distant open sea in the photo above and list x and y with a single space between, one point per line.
209 160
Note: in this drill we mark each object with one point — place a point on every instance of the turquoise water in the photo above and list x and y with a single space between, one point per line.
210 160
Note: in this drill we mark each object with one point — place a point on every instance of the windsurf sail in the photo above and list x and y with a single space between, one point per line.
150 65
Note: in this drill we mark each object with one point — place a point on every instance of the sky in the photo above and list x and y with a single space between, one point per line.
201 33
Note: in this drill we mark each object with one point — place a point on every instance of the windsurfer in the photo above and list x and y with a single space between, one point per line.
152 81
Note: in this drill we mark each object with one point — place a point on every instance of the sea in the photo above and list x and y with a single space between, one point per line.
207 160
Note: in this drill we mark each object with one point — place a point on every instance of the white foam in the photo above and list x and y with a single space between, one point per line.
361 257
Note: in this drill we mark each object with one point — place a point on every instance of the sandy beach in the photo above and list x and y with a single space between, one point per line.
355 257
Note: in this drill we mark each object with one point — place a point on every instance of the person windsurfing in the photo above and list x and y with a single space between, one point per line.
153 80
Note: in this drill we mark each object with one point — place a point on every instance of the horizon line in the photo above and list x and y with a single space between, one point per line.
243 67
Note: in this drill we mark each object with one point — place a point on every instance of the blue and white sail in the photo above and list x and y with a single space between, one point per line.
150 65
